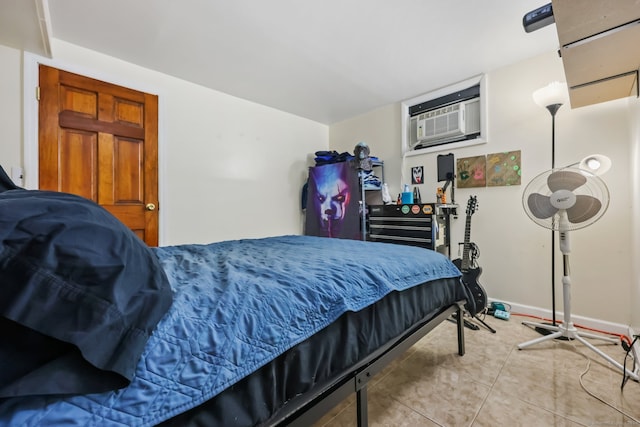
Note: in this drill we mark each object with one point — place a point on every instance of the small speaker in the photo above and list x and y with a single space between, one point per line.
538 18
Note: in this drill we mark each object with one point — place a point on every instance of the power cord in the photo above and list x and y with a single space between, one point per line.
590 393
626 343
625 377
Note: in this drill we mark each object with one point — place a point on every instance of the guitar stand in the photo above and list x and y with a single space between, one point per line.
467 323
493 331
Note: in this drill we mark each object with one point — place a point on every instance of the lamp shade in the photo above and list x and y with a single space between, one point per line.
552 94
597 164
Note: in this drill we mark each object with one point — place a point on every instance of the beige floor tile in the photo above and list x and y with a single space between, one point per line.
330 417
547 375
502 409
495 384
384 411
437 392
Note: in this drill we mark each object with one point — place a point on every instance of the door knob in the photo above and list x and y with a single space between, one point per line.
151 207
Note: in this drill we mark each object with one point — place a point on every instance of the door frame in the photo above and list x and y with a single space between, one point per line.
31 80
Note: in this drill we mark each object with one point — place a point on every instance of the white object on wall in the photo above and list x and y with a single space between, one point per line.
16 175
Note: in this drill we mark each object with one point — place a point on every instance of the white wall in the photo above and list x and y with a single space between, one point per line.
515 252
229 168
10 108
380 129
634 301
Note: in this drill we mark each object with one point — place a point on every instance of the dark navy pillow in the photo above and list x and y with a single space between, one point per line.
80 294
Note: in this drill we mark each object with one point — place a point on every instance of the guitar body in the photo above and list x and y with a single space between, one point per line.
478 294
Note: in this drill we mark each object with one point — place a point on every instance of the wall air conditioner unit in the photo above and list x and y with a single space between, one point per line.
453 116
449 123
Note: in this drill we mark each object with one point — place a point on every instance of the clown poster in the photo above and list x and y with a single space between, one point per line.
333 208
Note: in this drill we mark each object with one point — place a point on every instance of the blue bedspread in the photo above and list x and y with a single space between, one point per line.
237 305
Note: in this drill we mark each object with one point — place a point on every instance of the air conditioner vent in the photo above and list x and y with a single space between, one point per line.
455 121
440 122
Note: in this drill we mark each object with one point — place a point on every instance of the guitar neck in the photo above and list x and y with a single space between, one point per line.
466 262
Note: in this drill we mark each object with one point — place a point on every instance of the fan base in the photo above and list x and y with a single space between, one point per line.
573 334
543 331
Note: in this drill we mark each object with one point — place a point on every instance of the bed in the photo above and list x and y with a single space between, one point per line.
249 332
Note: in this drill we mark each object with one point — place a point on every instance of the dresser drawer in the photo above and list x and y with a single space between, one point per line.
402 224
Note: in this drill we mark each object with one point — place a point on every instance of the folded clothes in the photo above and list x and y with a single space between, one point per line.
371 181
328 157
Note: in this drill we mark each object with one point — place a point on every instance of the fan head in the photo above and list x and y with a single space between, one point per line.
565 199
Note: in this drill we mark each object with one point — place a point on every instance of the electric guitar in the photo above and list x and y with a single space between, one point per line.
470 275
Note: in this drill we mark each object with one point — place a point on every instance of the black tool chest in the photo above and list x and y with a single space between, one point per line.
404 224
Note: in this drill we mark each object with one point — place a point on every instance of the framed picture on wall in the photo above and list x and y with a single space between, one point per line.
417 175
471 172
503 169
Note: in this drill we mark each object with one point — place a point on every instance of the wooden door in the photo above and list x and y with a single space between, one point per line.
100 141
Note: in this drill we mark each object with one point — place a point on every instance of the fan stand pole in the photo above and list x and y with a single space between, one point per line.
567 329
553 109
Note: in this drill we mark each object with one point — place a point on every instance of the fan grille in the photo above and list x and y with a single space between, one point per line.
577 196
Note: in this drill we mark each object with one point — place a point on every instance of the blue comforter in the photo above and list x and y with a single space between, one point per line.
237 305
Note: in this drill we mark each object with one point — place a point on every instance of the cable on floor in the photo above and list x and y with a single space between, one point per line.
590 393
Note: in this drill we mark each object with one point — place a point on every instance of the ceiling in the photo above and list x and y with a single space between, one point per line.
325 60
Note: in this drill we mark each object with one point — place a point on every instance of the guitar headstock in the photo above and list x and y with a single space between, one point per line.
472 204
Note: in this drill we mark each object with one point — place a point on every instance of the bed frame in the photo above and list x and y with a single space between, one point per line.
310 407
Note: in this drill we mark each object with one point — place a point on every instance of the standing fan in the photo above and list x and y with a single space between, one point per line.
564 200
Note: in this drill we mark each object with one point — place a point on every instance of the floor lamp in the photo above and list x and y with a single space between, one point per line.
552 97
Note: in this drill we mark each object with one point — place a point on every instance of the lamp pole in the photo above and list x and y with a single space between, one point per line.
553 109
552 97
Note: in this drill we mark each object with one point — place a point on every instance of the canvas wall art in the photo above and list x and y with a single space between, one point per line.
503 169
471 172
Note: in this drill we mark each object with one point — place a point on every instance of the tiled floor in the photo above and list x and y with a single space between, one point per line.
495 384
